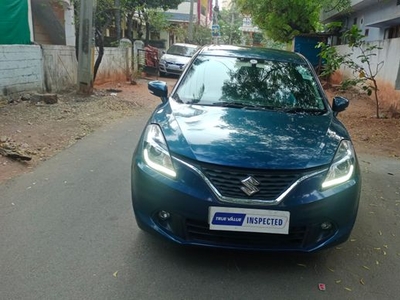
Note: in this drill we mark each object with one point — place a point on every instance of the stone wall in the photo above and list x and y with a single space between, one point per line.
60 68
115 65
49 68
21 69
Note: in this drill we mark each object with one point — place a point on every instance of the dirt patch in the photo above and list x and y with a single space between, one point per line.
41 130
370 135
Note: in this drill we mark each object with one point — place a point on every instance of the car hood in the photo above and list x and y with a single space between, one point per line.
249 138
176 59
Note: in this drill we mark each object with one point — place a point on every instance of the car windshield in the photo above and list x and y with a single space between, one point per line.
182 50
250 83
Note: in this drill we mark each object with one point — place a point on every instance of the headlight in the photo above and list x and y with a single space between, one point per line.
162 61
155 151
342 166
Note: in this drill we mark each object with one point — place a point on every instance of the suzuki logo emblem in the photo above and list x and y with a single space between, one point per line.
250 186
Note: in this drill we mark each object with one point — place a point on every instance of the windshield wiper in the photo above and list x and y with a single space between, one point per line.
299 110
177 98
233 104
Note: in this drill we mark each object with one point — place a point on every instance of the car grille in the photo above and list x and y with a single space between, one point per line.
228 181
199 232
175 64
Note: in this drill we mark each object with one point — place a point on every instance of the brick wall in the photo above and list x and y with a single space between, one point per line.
50 68
21 69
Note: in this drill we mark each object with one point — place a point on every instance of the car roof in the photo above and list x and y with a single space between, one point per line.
186 45
252 52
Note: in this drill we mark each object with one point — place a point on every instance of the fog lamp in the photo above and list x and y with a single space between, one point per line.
163 215
326 225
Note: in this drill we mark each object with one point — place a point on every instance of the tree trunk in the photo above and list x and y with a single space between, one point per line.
147 28
118 19
376 98
139 29
146 43
76 14
129 23
100 43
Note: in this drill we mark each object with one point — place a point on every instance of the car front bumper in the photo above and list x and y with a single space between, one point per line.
169 68
187 200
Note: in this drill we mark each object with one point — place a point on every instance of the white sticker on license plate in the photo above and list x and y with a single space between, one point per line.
248 220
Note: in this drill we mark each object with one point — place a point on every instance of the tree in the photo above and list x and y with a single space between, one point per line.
144 10
269 43
282 20
201 35
230 21
178 30
108 11
363 69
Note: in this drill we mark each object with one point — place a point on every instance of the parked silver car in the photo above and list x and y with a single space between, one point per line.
176 58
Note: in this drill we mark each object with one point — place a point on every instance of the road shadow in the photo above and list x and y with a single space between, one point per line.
239 260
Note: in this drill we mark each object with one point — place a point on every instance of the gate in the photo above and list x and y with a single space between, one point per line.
148 60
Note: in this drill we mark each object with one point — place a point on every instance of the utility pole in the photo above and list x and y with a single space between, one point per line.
190 29
215 26
215 14
86 47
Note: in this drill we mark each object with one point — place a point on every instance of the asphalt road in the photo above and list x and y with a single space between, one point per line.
67 232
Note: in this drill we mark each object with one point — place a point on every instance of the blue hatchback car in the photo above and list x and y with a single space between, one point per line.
246 153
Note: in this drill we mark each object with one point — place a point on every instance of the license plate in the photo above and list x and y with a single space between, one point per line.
248 220
174 67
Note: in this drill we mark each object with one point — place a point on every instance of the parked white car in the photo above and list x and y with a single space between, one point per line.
176 58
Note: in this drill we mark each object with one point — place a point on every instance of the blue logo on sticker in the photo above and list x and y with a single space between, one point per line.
230 219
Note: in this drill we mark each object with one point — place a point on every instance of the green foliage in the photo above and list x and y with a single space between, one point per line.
230 21
140 4
362 68
109 11
157 19
332 27
282 20
105 10
178 30
201 35
147 11
332 60
336 5
270 43
258 38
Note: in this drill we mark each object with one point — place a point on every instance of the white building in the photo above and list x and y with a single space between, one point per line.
377 19
180 17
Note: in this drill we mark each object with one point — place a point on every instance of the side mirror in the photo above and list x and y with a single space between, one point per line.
339 104
159 89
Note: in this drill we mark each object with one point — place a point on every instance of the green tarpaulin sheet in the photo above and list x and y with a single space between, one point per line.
14 26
